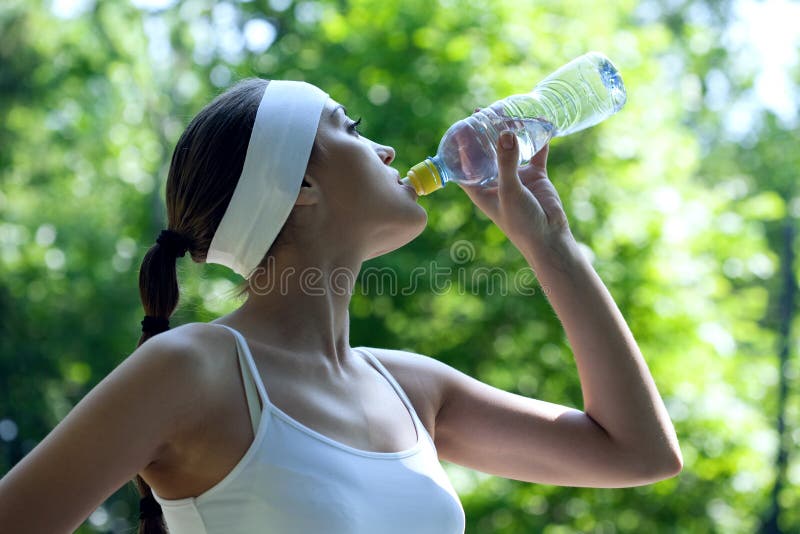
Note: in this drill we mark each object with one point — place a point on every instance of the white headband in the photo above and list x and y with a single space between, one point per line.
277 156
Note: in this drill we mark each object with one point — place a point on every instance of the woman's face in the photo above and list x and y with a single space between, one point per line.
359 198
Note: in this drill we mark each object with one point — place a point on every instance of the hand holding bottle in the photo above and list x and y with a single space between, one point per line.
524 204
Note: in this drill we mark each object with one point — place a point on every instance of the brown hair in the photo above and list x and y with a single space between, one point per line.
203 174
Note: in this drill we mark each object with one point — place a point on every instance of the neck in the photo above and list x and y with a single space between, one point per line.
300 302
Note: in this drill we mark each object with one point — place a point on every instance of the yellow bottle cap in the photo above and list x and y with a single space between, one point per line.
424 177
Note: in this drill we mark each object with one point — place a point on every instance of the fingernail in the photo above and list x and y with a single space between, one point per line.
507 140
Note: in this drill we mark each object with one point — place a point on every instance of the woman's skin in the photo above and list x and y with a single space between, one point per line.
184 435
350 208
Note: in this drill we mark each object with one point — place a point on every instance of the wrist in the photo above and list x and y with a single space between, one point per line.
558 250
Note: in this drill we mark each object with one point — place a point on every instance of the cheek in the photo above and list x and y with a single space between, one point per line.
362 184
367 179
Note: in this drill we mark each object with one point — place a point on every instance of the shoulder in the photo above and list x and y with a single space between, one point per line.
424 379
187 358
188 347
178 357
186 367
405 361
174 350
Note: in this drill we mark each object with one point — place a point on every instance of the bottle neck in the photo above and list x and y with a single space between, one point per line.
427 175
441 169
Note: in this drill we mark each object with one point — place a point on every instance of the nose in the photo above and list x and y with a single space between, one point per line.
387 154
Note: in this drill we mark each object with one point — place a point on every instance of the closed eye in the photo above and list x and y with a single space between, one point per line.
353 126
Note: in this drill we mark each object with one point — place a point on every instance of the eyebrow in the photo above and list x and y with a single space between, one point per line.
336 108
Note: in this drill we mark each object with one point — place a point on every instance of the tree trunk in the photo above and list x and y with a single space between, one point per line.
769 524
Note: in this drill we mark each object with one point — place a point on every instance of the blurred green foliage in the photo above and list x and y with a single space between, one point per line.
681 219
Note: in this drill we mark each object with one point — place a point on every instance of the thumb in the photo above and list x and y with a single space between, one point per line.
507 160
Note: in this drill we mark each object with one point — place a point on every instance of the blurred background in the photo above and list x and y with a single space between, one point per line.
685 202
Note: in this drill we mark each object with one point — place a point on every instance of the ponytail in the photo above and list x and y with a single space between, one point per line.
158 289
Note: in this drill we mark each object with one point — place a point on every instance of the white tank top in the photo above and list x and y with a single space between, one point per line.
294 480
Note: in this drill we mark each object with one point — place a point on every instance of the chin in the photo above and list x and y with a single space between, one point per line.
416 228
403 236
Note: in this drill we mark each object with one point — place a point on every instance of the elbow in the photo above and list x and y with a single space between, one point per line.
668 466
673 468
649 469
677 464
674 459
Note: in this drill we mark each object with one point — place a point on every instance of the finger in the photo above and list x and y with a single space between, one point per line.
540 158
464 139
507 161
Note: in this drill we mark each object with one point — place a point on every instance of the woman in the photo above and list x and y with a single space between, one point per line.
265 419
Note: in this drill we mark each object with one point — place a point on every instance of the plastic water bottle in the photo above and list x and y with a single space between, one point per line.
580 94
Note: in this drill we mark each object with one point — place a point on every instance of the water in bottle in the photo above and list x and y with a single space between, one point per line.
580 94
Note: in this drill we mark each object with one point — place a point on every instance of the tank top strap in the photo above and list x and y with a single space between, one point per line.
386 374
253 386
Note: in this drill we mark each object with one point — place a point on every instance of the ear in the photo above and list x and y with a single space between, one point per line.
309 193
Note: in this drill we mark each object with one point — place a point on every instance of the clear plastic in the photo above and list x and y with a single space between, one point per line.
580 94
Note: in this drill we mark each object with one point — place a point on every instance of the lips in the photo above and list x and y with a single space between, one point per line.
403 184
410 188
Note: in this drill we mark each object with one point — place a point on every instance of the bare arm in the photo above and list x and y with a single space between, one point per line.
619 392
114 432
624 437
